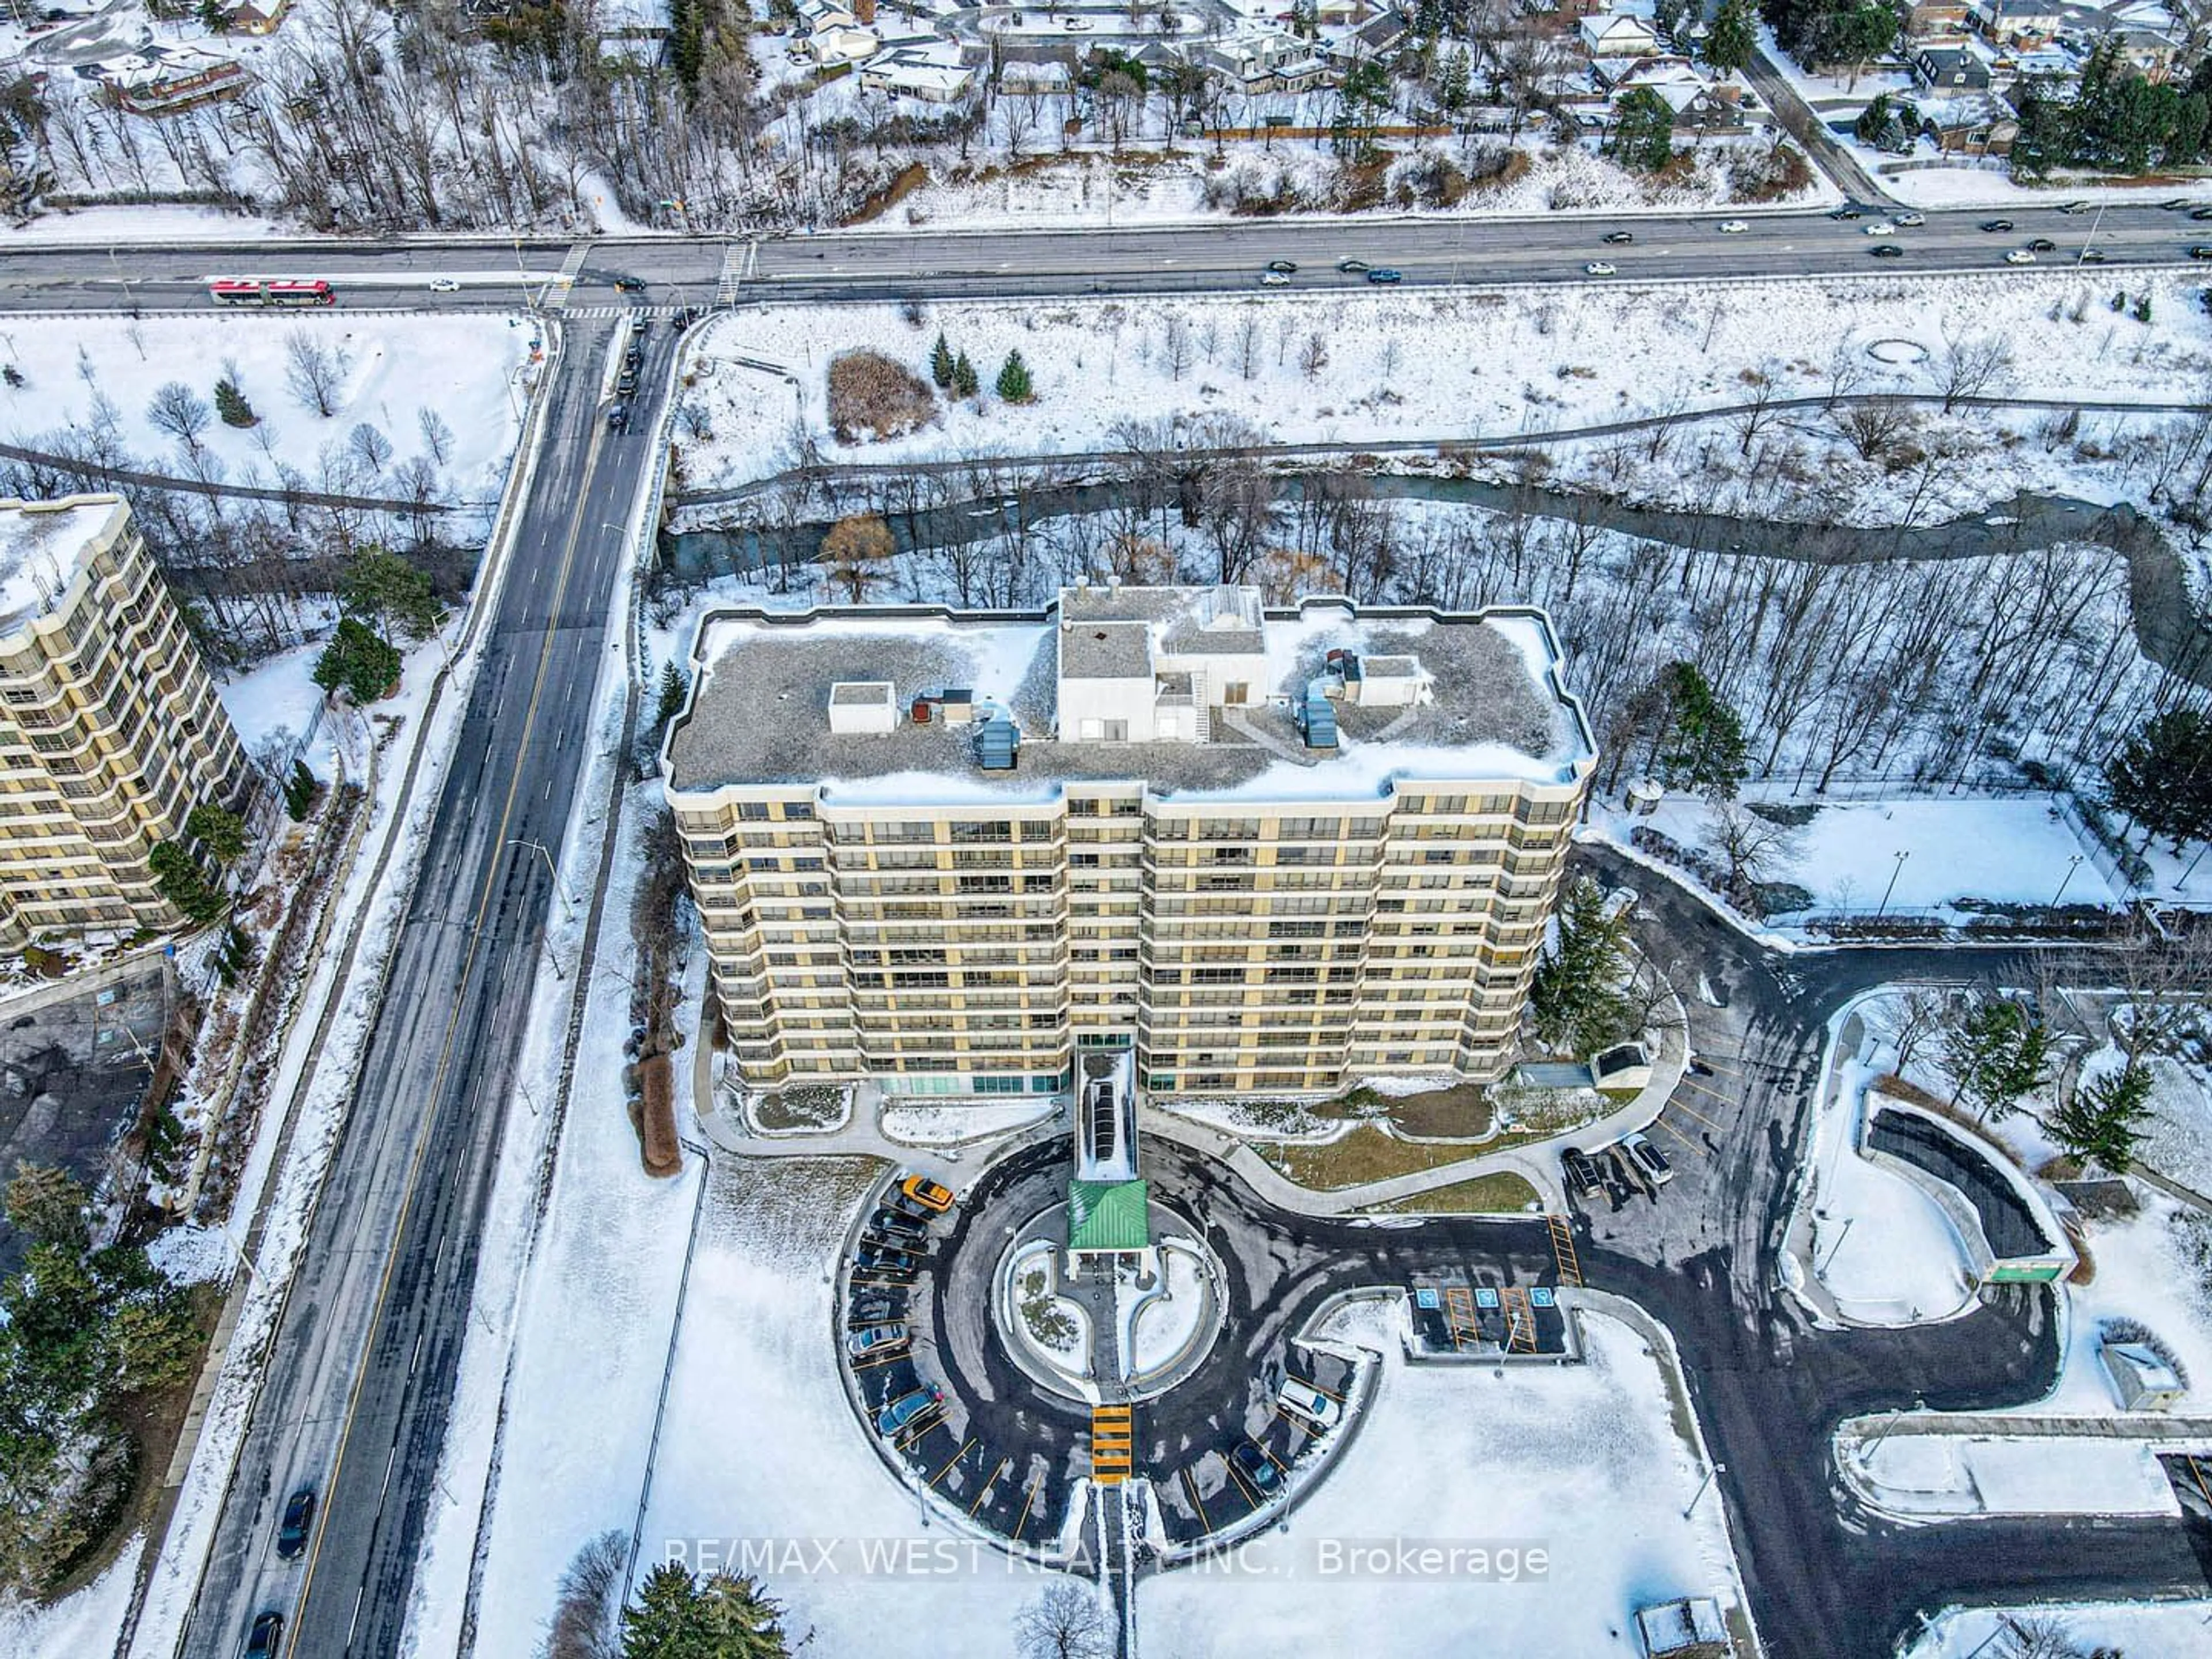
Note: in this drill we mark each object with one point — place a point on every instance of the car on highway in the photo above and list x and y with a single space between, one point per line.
2019 256
930 1194
1352 267
1648 1158
1274 279
2201 213
630 284
1581 1170
2042 245
1302 1399
2073 207
1996 224
1288 267
1733 227
1257 1469
1846 212
1909 220
903 1410
2200 252
444 285
1386 275
1600 268
876 1340
618 418
2092 256
1620 238
1880 228
266 1639
292 1529
893 1225
1886 251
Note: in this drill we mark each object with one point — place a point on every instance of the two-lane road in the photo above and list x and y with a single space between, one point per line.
362 1375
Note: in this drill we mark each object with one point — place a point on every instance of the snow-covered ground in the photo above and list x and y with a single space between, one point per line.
2158 1630
1936 1476
85 1623
942 1126
89 374
1581 1462
1520 361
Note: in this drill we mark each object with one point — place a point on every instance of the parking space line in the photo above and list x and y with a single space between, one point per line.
1190 1487
984 1490
2196 1470
1707 1063
1028 1499
1317 1389
1683 1140
920 1429
950 1461
873 1360
1726 1100
1242 1484
1298 1423
1677 1106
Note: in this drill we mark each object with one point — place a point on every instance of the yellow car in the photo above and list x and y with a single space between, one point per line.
927 1193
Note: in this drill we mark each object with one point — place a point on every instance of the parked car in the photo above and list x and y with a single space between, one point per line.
266 1639
626 383
1996 224
2042 245
618 418
1352 267
876 1340
903 1248
1880 228
930 1194
1384 274
1302 1399
899 1203
1886 251
1909 220
1288 267
1600 268
1255 1466
1581 1170
1698 1069
893 1225
292 1529
875 1307
1620 238
2019 256
1274 279
1648 1159
885 1259
899 1412
444 285
1733 227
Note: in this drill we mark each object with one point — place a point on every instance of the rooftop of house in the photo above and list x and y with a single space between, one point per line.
40 546
1495 709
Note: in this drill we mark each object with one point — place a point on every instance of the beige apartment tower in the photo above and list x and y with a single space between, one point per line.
1272 851
112 732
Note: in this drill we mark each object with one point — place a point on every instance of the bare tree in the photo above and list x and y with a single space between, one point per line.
1874 428
178 410
1247 345
586 1612
369 446
1972 366
314 373
1749 845
437 436
1065 1622
1919 1017
1176 349
1761 386
1313 355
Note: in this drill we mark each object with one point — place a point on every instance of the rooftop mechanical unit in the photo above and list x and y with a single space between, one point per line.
997 745
1317 719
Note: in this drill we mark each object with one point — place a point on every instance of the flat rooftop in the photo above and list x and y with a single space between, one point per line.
41 543
758 713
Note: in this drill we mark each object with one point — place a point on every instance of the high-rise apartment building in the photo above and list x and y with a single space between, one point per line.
110 729
1270 850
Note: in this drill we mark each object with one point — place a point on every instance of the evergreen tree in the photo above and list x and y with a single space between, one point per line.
1734 34
2161 775
1013 384
222 832
178 880
1698 743
230 404
359 659
385 590
49 1205
1643 137
941 363
722 1616
1575 999
300 792
1453 88
2103 1122
964 381
1362 97
674 687
1997 1050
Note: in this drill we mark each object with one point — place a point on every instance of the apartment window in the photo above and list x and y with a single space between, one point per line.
1113 730
753 812
998 1086
983 829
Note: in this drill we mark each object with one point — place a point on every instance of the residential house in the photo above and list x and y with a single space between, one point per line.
2150 53
1617 35
1934 20
1378 37
162 80
1950 69
1975 124
2017 23
1266 60
1699 104
932 73
255 16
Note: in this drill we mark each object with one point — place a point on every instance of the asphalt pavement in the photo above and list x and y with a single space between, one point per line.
362 1374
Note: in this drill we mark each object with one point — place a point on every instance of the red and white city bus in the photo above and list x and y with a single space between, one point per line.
263 291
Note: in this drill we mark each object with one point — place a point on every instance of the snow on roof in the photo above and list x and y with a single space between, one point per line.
40 546
1497 713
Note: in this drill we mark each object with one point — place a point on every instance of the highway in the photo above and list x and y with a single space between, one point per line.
862 265
362 1374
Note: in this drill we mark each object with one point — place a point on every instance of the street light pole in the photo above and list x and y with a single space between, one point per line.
2073 863
1710 1471
538 847
1896 869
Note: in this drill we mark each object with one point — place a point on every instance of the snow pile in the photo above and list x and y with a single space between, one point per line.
943 1126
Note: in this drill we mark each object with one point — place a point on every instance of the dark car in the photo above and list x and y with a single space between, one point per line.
1620 238
1255 1466
1288 267
900 1411
2041 245
618 418
266 1639
1384 274
1846 212
634 358
630 284
886 1258
626 383
1996 224
1352 267
894 1226
895 1199
2092 256
2200 252
2201 213
1582 1178
292 1530
875 1307
1889 251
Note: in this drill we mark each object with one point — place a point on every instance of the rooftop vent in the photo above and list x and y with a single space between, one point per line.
863 706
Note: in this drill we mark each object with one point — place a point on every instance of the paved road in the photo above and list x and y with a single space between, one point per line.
361 1378
1228 255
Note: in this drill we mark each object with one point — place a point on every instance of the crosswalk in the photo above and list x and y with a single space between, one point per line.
1112 1436
556 293
603 313
739 261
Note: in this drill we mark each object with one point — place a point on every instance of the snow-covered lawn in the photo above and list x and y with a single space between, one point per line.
1581 1462
1431 364
943 1126
2160 1630
85 1623
393 369
1945 1475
